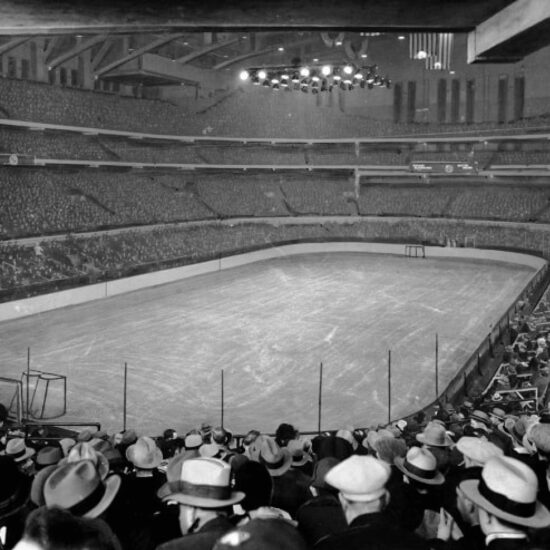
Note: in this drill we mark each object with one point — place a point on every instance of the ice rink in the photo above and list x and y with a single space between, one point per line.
269 325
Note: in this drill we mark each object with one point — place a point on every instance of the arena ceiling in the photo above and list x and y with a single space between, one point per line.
194 41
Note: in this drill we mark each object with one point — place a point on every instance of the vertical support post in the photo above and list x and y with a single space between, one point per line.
436 366
222 398
125 391
389 386
320 397
28 382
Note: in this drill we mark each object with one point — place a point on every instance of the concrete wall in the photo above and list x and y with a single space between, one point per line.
56 300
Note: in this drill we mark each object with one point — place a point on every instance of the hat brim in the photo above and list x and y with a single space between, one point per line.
29 451
541 517
38 482
202 502
112 485
438 479
284 467
447 443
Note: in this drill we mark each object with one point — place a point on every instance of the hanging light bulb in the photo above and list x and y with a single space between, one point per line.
243 75
262 75
325 70
348 69
304 71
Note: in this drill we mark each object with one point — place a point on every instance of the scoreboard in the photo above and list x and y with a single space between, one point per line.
444 168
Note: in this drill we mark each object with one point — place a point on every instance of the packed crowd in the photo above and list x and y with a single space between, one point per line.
82 146
289 115
45 201
77 260
472 476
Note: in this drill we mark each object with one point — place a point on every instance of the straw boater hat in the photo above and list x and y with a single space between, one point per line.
435 435
277 460
77 487
359 478
508 490
144 454
420 465
17 450
200 482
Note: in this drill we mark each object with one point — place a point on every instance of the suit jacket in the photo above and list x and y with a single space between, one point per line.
290 491
204 539
373 532
319 517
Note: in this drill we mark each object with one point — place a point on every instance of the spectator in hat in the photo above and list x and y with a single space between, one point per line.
21 454
48 456
202 489
248 439
290 487
321 515
137 501
506 498
361 484
14 496
253 479
262 534
539 435
78 488
332 446
418 491
170 444
192 443
301 457
55 528
219 446
85 451
436 439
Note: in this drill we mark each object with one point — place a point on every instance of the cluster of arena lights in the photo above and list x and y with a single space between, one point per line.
316 79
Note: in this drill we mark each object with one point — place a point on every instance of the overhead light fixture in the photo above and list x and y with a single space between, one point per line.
401 37
281 49
421 54
364 55
316 78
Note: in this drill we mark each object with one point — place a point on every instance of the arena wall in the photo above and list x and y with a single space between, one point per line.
56 300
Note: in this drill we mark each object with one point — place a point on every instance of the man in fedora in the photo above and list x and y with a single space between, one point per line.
417 492
138 495
361 484
506 498
290 486
202 489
